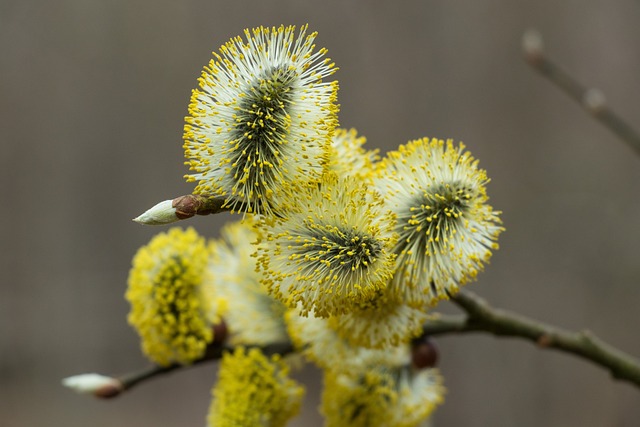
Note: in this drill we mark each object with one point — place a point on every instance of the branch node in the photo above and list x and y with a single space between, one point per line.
594 101
482 317
544 341
533 46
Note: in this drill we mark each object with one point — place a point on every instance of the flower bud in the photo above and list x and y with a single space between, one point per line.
424 353
594 101
162 213
220 332
533 46
95 384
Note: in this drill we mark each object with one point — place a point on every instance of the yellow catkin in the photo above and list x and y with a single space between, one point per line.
446 227
348 157
252 316
169 309
318 340
380 323
261 118
380 396
332 249
253 390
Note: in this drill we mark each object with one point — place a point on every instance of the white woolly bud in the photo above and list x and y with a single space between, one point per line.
594 100
162 213
95 384
533 45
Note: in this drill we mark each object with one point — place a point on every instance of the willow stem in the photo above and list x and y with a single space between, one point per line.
214 352
481 317
590 99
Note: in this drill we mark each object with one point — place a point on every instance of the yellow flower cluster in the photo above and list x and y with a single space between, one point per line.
380 323
362 386
320 342
168 302
262 118
253 391
447 229
380 396
332 249
347 155
252 316
339 251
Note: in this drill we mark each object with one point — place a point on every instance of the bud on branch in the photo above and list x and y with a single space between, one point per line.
183 207
95 384
592 100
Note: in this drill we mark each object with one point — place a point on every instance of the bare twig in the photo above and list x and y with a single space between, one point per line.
591 99
481 317
214 352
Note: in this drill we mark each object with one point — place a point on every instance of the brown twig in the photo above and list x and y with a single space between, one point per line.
214 352
590 99
481 317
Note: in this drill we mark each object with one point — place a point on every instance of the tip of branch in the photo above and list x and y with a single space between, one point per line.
160 214
594 101
532 45
97 385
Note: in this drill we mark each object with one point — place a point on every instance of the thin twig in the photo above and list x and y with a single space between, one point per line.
214 352
481 317
590 99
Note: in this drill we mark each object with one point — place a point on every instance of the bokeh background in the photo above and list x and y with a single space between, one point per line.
92 99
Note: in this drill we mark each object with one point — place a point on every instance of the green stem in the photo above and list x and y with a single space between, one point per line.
481 317
590 99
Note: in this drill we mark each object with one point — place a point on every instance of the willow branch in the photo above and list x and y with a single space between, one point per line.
481 317
214 352
590 99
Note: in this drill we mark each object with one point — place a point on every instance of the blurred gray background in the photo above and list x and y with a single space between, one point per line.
92 100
